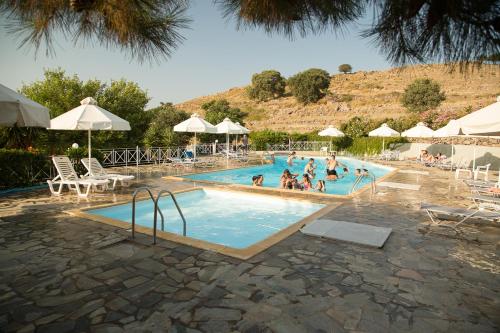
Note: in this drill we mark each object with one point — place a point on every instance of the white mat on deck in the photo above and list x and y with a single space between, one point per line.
349 232
401 186
415 172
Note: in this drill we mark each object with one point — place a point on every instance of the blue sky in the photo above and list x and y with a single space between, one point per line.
214 57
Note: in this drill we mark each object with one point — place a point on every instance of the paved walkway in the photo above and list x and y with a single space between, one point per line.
65 274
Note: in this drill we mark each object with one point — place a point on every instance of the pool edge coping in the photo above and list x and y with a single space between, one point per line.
243 254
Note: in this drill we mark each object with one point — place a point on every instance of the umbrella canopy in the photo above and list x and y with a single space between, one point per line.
384 131
244 129
228 127
419 131
88 116
451 129
331 131
16 109
485 121
195 124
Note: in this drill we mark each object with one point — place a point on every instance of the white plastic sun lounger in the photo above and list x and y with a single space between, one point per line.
437 213
68 176
98 172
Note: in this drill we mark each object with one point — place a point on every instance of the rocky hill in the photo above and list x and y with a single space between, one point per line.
374 94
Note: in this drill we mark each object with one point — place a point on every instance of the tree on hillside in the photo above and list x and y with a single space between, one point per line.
345 68
160 132
267 85
422 95
309 86
217 110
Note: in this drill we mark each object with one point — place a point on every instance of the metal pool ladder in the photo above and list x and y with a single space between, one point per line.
358 181
156 210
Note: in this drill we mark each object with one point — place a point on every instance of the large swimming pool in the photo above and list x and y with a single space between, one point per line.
272 173
229 218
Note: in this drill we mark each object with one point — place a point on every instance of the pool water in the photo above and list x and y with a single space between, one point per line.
272 173
228 218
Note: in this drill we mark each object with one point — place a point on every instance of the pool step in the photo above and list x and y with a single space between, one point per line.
111 239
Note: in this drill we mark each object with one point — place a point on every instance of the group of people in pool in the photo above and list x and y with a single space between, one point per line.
289 180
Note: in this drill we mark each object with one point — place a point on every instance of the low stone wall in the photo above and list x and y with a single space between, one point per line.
463 140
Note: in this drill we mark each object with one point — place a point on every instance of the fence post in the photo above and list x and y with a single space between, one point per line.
289 145
137 156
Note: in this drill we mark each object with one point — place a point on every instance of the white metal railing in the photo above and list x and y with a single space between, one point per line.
299 146
151 155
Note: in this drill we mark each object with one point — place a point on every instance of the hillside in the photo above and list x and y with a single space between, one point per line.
374 94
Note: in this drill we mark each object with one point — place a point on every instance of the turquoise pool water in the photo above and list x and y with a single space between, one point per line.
272 173
228 218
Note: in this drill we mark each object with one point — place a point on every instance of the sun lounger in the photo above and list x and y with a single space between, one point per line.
68 176
482 170
98 172
437 214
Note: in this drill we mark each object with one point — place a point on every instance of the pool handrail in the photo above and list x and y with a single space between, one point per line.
133 209
162 220
360 177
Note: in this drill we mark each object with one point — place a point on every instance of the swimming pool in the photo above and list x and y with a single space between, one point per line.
272 173
229 218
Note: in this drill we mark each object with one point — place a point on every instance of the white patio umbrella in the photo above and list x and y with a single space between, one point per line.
16 109
195 124
243 129
483 122
384 131
419 131
88 116
332 132
228 127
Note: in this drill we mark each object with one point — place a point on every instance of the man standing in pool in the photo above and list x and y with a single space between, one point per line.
331 165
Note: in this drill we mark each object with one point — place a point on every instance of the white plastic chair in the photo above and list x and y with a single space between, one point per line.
323 150
68 176
482 170
98 172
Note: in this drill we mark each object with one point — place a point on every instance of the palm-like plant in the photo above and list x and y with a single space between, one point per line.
405 30
149 29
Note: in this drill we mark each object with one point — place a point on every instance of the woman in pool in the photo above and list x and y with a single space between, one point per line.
291 157
320 186
257 180
306 182
287 179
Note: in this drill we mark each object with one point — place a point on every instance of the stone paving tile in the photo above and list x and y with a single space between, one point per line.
65 274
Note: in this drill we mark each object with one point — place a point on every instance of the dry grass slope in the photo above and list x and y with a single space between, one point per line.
374 94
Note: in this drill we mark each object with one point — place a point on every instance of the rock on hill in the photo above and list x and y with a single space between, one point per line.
374 94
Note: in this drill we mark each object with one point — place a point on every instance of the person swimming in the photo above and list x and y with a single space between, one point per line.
361 172
331 165
320 186
287 179
257 180
306 183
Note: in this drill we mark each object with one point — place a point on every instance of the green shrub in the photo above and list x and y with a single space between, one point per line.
309 86
267 85
345 68
260 139
422 95
357 127
22 168
160 132
371 145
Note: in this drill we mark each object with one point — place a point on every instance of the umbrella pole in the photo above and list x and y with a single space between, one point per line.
383 144
194 147
90 153
474 157
227 149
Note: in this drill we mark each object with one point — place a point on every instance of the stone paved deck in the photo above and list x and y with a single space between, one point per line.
65 274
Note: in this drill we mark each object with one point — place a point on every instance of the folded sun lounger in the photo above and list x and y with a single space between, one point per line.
98 172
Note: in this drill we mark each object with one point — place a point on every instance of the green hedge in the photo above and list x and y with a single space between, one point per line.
371 145
22 168
76 154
